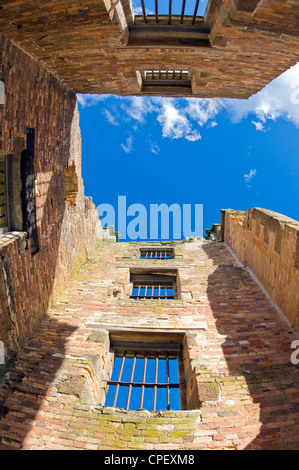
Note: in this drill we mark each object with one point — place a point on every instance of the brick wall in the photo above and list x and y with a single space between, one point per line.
85 46
66 235
268 243
234 344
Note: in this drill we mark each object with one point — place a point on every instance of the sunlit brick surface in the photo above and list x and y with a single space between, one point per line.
238 346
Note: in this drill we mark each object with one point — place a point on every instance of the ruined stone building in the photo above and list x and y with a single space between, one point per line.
73 302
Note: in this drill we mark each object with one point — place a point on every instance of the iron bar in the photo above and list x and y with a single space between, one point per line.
143 11
143 385
167 379
131 381
156 381
183 11
195 12
163 78
170 8
119 379
143 381
152 287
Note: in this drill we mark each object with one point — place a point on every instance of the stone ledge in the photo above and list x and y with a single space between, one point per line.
12 237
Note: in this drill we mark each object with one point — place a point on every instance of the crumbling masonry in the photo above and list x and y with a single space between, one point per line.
65 290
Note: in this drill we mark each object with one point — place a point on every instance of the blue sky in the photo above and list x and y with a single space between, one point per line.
163 7
220 153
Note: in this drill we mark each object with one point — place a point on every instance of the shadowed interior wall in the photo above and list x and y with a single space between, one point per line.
66 234
268 243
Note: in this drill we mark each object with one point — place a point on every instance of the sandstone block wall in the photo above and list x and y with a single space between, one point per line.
67 234
268 243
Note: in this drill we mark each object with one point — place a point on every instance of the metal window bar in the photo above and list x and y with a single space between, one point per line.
144 384
119 378
183 11
131 380
182 16
143 11
167 378
166 75
147 291
158 254
170 8
167 78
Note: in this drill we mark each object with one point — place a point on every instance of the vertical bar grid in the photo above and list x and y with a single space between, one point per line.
158 254
157 404
150 288
170 12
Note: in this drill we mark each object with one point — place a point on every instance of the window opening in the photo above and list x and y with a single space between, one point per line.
153 285
11 215
160 253
172 11
175 23
148 380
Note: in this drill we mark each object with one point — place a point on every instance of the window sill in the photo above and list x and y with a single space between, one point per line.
9 238
151 303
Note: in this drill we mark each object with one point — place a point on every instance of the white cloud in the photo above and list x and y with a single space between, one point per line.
203 110
279 99
249 177
137 10
154 148
137 108
111 117
178 118
128 146
258 126
175 123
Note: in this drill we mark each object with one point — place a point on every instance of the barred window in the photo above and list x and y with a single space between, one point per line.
146 375
179 12
156 253
154 286
171 80
173 24
11 214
